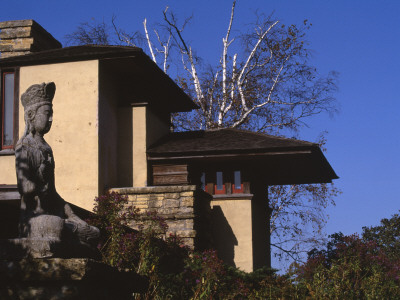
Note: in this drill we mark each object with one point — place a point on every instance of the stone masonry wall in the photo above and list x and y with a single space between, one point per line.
174 203
23 37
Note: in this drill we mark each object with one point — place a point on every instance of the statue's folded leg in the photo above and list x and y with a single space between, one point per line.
86 234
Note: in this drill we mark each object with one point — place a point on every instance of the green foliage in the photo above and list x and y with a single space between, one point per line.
173 270
386 236
118 244
350 268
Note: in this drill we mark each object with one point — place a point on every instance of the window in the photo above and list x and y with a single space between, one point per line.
237 182
8 109
224 182
220 186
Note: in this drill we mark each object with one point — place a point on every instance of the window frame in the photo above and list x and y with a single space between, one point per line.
3 72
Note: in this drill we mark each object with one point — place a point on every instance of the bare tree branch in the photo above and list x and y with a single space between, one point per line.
149 41
226 43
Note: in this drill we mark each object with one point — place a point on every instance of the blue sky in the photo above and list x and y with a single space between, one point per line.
359 39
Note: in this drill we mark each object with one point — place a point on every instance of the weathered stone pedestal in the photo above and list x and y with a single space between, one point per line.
75 278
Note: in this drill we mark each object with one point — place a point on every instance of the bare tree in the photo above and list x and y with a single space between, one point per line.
298 217
93 33
266 84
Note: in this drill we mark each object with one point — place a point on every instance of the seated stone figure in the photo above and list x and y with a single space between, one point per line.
46 220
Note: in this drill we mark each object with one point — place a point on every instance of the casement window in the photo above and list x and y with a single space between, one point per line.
9 108
237 186
219 186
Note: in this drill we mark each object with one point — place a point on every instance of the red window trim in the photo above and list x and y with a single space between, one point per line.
218 192
237 191
212 189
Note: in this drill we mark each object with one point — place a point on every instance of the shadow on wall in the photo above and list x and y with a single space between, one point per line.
223 236
125 147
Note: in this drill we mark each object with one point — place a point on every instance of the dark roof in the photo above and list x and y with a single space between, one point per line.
74 53
280 160
223 141
135 71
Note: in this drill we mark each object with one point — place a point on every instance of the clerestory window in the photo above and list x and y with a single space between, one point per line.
219 187
223 182
237 186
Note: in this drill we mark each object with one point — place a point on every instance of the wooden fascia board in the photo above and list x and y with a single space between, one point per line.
24 60
227 155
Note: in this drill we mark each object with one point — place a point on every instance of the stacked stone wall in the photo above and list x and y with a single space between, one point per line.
23 37
176 204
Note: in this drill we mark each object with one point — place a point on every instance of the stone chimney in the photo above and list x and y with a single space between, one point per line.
23 37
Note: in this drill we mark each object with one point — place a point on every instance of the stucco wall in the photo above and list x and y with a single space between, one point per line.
74 133
148 127
139 146
232 231
7 170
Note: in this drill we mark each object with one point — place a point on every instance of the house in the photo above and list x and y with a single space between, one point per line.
111 132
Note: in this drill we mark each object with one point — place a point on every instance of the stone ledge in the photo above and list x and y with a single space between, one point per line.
16 23
154 189
233 197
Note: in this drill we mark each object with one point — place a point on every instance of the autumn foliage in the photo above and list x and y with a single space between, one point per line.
348 267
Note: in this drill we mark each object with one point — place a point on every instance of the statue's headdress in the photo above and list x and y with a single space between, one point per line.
38 94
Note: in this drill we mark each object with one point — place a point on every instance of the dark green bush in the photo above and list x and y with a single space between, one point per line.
174 271
349 268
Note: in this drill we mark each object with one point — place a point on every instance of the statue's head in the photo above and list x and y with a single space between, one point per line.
38 107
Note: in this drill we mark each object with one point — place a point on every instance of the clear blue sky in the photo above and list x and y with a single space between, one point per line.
360 39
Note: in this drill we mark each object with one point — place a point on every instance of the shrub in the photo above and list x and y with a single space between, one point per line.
350 268
174 271
147 251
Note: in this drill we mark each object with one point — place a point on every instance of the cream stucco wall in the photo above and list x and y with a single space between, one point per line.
147 129
139 159
236 214
7 170
74 133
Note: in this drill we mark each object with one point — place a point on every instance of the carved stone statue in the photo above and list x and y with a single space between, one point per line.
48 225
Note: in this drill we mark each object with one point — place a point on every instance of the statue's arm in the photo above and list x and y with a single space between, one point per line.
24 171
71 215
